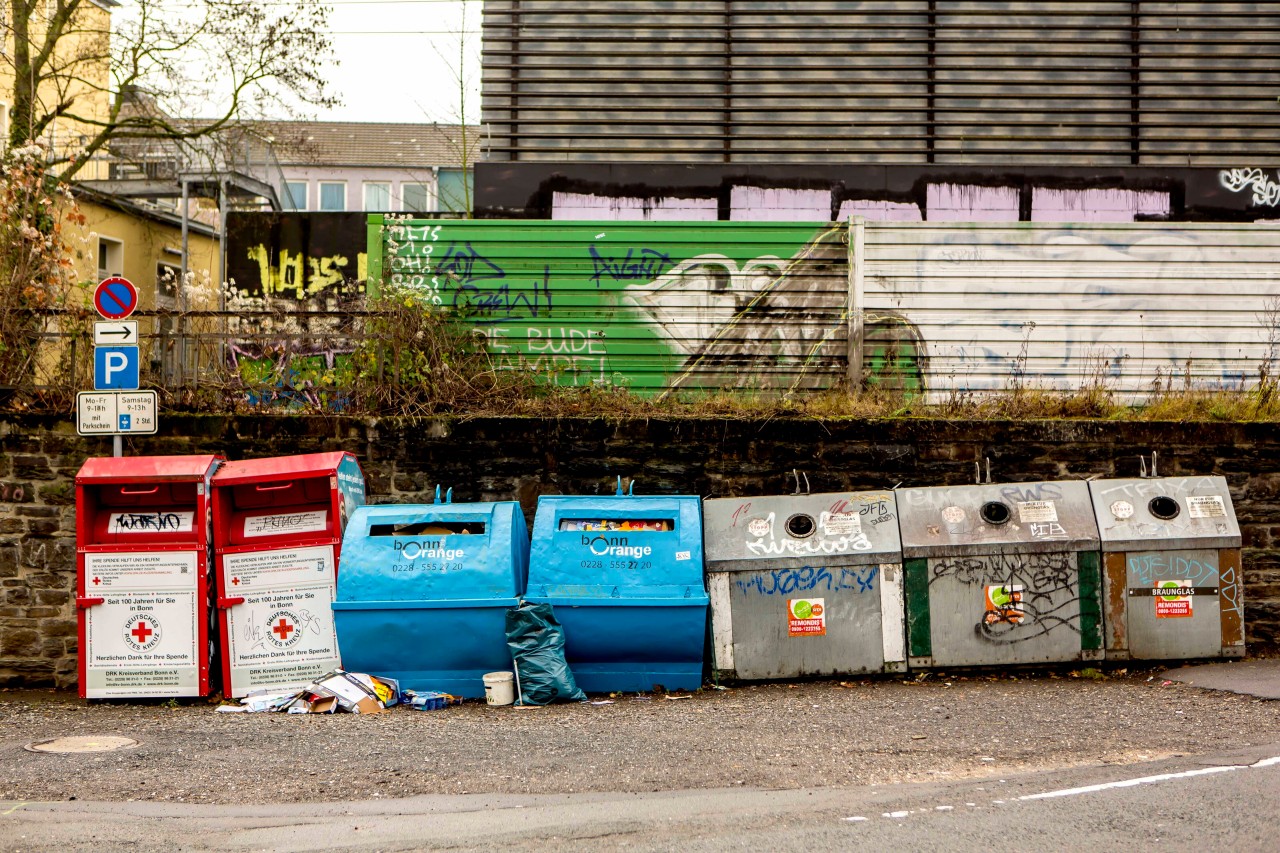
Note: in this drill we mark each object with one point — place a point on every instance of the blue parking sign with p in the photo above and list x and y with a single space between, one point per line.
115 369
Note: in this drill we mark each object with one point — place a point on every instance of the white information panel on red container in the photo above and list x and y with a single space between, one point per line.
281 636
142 638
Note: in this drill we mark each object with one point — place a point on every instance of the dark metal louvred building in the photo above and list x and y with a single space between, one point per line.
925 82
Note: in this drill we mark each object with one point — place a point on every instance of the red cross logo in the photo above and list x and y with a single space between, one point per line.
236 581
282 629
96 581
141 631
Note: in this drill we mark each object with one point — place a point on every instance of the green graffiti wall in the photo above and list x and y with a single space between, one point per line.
652 306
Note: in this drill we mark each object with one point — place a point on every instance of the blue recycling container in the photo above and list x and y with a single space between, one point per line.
423 592
624 574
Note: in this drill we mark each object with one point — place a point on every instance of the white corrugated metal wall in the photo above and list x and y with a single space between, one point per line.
1064 306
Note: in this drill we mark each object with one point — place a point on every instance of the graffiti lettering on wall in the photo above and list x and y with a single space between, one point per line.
300 277
648 264
567 351
856 579
1023 596
1265 190
284 377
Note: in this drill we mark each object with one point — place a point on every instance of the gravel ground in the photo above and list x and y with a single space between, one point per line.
819 733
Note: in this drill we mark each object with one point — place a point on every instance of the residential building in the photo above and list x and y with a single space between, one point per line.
381 167
81 78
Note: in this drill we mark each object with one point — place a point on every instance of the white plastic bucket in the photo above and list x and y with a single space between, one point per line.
499 688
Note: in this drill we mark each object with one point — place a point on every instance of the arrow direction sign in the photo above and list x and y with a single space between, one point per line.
115 333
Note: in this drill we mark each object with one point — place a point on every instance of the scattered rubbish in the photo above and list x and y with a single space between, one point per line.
855 818
986 758
601 701
683 696
351 692
388 690
429 700
719 687
230 709
1166 684
641 698
918 737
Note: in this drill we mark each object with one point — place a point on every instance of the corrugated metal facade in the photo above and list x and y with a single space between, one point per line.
1086 82
947 307
1065 306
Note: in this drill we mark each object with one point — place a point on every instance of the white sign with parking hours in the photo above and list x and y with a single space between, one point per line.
116 412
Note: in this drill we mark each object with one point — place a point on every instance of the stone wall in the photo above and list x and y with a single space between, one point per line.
505 458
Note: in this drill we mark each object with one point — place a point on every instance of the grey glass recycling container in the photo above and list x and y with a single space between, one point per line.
805 584
1003 573
1172 582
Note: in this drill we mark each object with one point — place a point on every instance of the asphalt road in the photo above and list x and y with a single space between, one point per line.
942 762
1224 801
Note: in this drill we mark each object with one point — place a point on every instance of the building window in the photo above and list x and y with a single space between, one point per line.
377 195
167 277
456 188
110 258
295 195
415 198
333 196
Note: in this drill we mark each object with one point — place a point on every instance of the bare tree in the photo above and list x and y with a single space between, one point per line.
228 60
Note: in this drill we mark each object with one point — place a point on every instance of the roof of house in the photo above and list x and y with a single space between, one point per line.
352 143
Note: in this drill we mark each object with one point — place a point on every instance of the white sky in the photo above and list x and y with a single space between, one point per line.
398 59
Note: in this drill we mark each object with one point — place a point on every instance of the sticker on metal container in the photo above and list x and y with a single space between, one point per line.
1206 506
150 522
1041 511
281 639
952 514
311 521
840 524
806 617
760 527
1121 510
282 568
1173 599
1004 604
140 571
141 644
681 556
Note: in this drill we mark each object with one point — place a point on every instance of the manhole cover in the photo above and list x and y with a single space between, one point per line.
82 743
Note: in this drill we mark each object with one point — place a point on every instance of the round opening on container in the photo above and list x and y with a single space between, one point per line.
1164 507
994 512
800 525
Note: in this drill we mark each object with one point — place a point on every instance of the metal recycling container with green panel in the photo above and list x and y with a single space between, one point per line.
805 584
1000 573
624 574
424 591
1172 582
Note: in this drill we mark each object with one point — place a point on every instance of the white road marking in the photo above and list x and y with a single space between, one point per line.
1148 780
1106 786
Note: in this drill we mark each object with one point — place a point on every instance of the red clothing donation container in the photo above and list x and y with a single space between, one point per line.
142 576
277 534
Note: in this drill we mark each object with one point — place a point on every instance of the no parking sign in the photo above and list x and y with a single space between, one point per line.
115 298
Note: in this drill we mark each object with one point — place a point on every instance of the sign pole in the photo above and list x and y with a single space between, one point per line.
117 446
